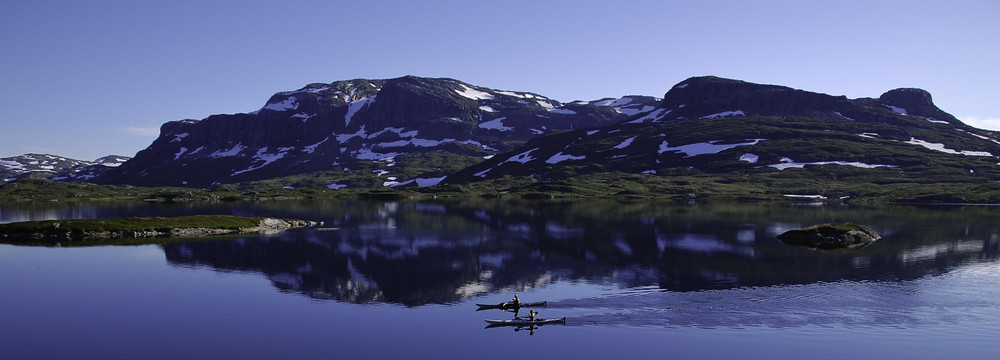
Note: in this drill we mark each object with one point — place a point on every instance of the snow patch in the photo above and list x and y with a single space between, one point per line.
235 150
181 152
290 103
626 143
356 106
653 116
495 124
897 109
360 133
842 116
487 108
312 148
941 148
787 163
725 114
421 182
560 157
710 147
474 94
981 137
266 158
750 158
303 116
179 137
522 157
563 111
933 120
634 111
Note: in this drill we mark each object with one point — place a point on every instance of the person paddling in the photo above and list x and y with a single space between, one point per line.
516 301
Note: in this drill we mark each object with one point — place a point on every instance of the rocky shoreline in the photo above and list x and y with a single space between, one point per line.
78 229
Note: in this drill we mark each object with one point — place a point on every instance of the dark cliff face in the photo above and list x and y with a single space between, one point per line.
358 124
916 102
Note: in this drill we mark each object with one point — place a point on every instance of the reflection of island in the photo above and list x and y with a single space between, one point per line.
414 254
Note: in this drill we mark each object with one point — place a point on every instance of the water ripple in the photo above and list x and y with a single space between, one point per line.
967 295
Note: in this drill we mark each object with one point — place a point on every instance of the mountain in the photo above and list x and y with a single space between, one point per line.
361 134
56 167
735 129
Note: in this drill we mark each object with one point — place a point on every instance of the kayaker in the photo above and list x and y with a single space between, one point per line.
532 314
516 301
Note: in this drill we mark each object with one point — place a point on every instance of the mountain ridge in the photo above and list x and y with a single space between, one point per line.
57 167
723 126
391 128
414 131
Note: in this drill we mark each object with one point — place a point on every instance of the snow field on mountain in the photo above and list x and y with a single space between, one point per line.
941 148
290 103
495 124
710 147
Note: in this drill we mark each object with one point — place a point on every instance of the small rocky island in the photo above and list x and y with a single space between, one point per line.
831 236
84 230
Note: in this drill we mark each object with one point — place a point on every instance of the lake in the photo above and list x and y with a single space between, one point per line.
391 280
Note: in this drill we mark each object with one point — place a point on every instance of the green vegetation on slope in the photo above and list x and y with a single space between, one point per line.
80 226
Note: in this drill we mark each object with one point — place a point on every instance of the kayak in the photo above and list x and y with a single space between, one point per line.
508 305
526 322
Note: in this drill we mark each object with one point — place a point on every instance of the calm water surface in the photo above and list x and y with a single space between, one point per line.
401 280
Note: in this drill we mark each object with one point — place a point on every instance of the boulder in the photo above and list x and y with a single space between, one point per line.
831 236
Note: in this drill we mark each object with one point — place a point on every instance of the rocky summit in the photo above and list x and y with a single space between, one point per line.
362 133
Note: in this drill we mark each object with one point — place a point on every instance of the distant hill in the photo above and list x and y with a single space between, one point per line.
56 167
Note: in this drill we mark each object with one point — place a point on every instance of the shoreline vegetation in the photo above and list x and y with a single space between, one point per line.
139 230
609 185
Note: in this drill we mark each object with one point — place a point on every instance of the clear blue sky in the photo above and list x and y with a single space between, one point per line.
85 79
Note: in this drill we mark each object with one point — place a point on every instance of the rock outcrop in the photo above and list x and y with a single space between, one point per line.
831 236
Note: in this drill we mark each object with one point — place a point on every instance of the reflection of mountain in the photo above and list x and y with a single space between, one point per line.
419 253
